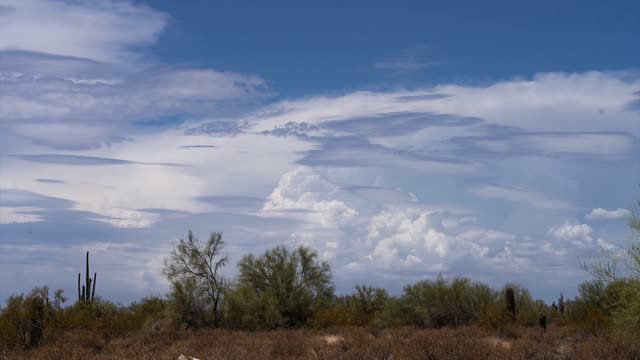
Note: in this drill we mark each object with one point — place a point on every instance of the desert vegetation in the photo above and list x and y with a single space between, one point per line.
283 305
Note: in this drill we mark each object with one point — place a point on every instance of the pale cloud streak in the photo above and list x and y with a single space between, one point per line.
98 30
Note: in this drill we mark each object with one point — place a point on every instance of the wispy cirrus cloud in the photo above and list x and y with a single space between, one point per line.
410 60
519 195
79 160
590 145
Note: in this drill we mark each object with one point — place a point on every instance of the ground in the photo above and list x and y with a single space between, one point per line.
339 343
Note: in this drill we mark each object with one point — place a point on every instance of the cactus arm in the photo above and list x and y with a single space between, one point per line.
93 292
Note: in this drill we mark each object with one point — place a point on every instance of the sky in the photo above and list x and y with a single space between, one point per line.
401 140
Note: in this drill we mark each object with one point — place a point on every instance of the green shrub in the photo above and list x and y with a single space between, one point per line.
335 315
186 305
366 302
250 310
444 302
298 281
30 320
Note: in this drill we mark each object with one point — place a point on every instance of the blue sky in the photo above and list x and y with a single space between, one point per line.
399 140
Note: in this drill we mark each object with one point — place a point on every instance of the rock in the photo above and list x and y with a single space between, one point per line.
182 357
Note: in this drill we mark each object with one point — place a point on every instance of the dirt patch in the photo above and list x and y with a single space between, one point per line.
333 339
498 343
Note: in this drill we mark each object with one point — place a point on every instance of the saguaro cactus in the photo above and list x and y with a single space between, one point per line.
561 304
87 293
511 302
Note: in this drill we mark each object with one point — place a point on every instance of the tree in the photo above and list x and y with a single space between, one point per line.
614 265
195 271
367 301
297 280
618 270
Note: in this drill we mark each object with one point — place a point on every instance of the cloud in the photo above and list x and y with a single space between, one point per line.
50 181
245 204
88 114
78 69
408 61
97 30
197 147
601 145
64 159
577 234
514 194
301 189
406 239
394 124
604 214
16 197
354 152
218 128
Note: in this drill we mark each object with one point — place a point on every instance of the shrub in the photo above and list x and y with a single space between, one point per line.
249 310
335 315
30 320
366 302
445 302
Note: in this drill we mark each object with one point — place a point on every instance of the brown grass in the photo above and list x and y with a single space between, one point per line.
341 343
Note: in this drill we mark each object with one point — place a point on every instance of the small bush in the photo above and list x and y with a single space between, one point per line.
334 315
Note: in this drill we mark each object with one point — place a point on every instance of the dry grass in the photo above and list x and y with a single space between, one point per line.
341 343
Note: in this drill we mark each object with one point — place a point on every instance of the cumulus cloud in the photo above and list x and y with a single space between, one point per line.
605 214
312 195
577 234
405 239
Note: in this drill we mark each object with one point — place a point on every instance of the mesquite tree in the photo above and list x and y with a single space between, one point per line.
199 265
297 281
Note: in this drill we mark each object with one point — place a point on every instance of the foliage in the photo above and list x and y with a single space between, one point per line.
299 283
335 315
615 293
446 302
251 310
194 270
29 320
366 302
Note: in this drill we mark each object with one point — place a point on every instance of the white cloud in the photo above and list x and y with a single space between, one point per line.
604 214
99 30
312 195
251 163
577 234
569 231
404 239
102 113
